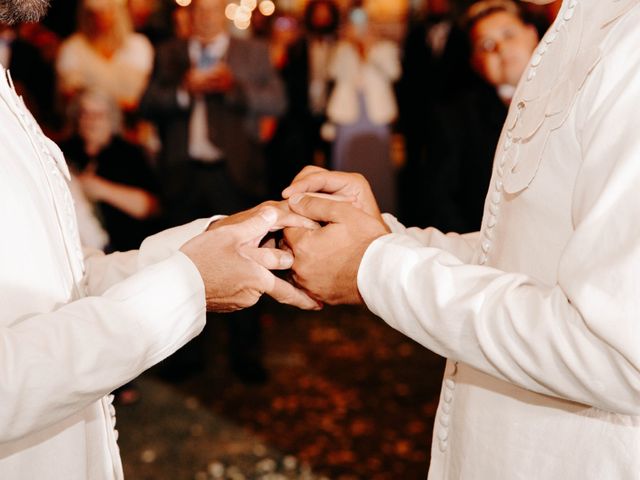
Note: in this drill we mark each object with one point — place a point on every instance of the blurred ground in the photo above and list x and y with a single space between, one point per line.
348 398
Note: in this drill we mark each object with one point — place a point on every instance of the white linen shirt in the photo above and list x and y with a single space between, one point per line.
538 313
74 325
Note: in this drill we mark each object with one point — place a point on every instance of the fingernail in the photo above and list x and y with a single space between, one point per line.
296 198
286 260
285 192
269 215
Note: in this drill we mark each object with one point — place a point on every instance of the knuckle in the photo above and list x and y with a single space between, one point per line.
359 177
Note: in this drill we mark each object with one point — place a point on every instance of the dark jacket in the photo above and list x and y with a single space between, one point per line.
233 117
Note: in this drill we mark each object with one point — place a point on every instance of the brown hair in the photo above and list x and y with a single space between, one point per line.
482 9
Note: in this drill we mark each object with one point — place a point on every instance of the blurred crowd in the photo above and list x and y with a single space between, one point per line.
167 113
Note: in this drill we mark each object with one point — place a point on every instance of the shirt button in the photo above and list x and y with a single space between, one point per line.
448 396
496 197
499 185
488 233
450 384
446 408
116 434
492 221
443 434
568 15
444 420
486 246
442 445
535 61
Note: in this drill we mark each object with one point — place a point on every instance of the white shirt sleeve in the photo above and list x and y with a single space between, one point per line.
54 364
103 271
143 306
462 246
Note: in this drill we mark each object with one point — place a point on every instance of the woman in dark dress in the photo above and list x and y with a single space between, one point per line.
113 173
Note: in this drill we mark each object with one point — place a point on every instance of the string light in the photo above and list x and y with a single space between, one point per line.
183 3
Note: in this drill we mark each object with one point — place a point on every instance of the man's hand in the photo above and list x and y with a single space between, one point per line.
218 79
234 268
354 185
327 260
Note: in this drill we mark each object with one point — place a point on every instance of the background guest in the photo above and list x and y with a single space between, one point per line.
112 172
435 65
207 95
105 54
362 106
302 58
464 139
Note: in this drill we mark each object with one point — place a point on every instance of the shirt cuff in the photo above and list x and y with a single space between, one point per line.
164 244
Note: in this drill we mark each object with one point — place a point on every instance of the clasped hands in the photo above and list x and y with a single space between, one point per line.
328 221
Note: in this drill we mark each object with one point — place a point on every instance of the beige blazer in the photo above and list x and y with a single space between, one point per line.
372 78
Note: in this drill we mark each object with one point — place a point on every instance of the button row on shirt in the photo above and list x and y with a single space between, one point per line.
112 412
445 410
549 38
38 138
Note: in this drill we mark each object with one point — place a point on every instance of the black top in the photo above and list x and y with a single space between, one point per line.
120 162
462 142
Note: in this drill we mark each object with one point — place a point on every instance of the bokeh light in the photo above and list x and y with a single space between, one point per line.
230 11
249 4
267 7
242 24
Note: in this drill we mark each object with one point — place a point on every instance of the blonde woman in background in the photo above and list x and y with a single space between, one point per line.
105 54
